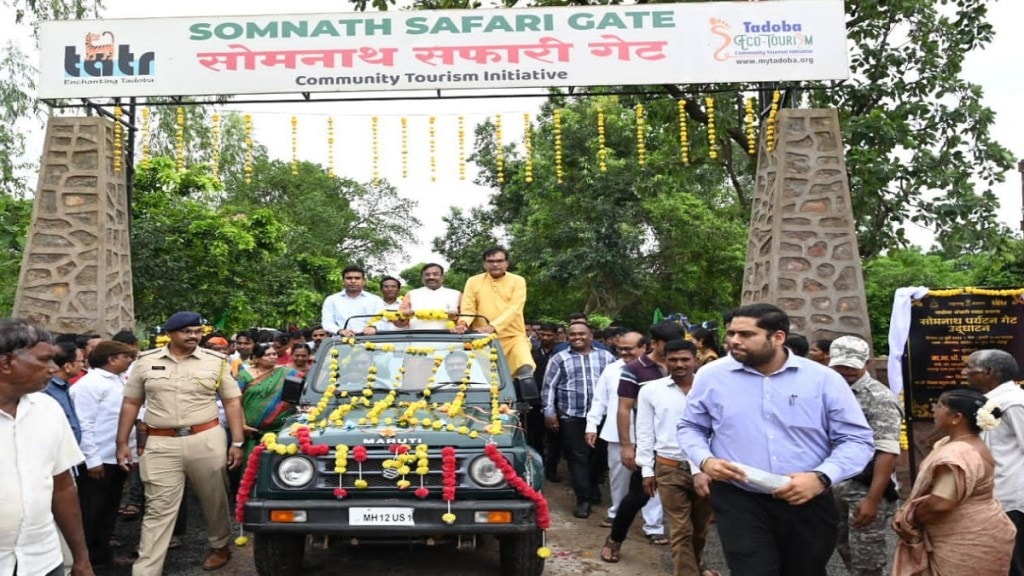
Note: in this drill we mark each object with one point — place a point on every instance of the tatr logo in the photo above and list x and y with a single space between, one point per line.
100 59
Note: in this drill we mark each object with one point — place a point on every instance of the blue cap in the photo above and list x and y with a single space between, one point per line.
182 319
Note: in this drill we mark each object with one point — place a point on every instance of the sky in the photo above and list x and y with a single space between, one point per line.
436 193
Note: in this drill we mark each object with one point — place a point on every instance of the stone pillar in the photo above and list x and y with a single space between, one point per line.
802 250
76 275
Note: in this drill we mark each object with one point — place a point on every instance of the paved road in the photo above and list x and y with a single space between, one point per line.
575 545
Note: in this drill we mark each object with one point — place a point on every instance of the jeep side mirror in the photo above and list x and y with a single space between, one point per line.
527 391
291 390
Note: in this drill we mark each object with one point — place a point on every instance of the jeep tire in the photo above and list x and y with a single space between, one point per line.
278 554
518 554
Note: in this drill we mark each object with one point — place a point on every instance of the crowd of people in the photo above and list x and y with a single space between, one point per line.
788 447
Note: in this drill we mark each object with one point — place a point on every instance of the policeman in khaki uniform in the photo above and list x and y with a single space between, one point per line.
180 384
867 501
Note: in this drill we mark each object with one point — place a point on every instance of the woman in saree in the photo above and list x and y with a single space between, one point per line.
261 385
952 525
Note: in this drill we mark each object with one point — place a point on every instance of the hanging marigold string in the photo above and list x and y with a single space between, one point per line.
709 101
499 151
118 139
330 146
462 147
433 148
405 147
448 482
144 136
684 136
179 138
295 145
602 153
748 121
773 112
641 147
528 146
215 144
557 119
248 148
375 146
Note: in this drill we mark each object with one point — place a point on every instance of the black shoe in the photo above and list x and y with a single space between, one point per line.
582 510
552 477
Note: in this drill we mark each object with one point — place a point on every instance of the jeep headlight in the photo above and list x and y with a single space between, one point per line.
483 472
295 471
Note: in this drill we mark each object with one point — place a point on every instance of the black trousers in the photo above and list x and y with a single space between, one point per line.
631 504
99 500
764 536
1017 562
586 479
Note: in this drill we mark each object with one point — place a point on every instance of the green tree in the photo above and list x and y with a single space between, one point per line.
189 255
15 216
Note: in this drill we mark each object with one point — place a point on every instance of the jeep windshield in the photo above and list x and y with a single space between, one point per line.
410 365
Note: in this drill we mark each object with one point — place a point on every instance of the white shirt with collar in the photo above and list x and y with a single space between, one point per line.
98 397
1006 442
35 445
424 298
605 403
340 307
659 409
385 325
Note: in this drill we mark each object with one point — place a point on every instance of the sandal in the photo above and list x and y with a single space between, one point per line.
607 522
129 512
705 571
657 539
174 543
612 547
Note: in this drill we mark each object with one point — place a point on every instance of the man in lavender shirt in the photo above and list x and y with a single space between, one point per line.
766 408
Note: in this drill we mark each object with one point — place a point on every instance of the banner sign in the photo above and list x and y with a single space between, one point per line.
445 49
945 330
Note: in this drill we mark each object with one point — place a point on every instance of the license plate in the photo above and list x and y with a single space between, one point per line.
361 516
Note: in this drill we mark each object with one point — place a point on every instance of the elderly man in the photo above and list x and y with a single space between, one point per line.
868 500
433 295
993 372
339 309
38 450
764 408
180 384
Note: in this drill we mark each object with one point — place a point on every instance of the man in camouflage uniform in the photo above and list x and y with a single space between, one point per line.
868 500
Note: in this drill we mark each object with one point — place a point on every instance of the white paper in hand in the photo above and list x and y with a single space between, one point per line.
762 479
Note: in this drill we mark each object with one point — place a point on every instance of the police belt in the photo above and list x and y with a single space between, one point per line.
183 430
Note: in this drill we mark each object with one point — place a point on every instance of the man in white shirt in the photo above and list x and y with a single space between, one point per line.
606 393
38 450
98 397
432 296
665 468
338 308
994 372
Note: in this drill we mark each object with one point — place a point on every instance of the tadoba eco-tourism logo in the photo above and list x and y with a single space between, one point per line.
759 38
103 57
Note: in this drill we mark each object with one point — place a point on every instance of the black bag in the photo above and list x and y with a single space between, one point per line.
865 477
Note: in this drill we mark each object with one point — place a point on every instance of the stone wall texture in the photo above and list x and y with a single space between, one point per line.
802 250
76 275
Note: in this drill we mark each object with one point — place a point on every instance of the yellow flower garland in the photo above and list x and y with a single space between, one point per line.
405 147
215 144
248 148
499 152
976 291
433 149
602 153
641 146
528 146
295 145
557 121
684 136
709 101
375 149
179 138
748 120
773 113
330 146
144 137
462 147
118 139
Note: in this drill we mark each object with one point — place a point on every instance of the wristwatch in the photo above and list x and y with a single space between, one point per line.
237 444
823 478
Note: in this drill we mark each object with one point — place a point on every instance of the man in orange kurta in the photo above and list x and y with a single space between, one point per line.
499 296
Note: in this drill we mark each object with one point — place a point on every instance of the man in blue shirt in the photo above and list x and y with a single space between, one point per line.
68 359
766 410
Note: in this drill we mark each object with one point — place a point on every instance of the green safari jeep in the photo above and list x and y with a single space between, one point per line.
401 437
